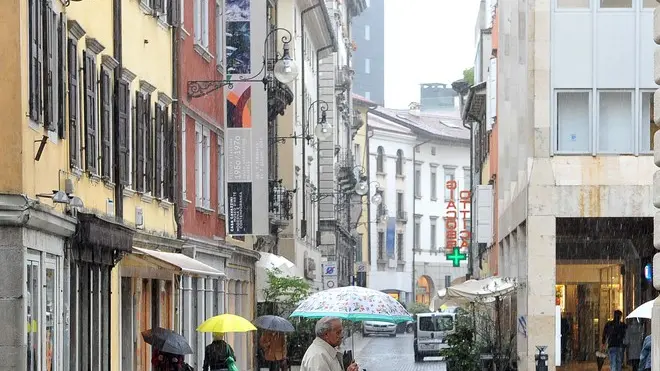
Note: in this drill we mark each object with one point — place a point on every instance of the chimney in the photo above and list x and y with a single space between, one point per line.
414 109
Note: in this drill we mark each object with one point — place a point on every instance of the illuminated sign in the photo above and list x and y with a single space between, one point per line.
454 235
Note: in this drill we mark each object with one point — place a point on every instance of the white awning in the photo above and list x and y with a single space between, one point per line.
271 261
185 263
485 290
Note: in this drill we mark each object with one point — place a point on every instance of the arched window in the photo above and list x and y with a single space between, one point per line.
380 160
399 162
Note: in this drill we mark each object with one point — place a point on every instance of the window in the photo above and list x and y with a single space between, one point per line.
380 160
434 237
201 18
219 33
106 124
605 4
400 243
450 174
418 181
74 108
160 116
358 154
124 109
573 122
399 162
221 177
615 122
650 4
367 65
381 205
381 245
202 167
367 32
647 127
432 151
367 94
434 183
142 168
573 4
358 248
418 233
467 180
400 206
90 84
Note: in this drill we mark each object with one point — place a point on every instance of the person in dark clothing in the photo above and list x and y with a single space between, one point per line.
613 335
645 357
216 354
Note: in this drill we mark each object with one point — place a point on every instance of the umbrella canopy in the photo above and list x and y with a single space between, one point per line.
471 291
166 341
226 323
643 311
353 303
274 323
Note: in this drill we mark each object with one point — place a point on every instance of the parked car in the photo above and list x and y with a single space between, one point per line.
377 327
431 332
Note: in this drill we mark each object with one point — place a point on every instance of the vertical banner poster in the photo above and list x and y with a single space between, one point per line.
246 132
390 239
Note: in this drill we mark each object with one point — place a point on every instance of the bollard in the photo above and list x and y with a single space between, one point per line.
541 358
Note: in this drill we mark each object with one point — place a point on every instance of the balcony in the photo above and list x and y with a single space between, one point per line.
280 202
344 78
280 97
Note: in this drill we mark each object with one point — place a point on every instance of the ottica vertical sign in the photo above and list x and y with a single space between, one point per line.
246 135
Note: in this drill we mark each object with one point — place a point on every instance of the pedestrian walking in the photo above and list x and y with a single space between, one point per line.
217 354
273 345
645 355
633 341
323 355
613 335
164 361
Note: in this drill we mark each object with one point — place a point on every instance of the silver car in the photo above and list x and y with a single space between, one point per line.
376 327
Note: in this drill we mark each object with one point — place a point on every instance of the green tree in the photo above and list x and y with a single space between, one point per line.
463 352
284 293
468 75
415 308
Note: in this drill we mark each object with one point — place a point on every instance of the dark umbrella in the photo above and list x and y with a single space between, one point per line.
166 341
274 323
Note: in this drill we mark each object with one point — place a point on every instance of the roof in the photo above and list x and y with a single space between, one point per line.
445 126
364 100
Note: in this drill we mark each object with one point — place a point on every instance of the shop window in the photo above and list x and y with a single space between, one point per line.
616 4
573 4
33 316
647 127
615 122
650 4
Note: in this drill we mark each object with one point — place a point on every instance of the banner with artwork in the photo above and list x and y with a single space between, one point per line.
246 136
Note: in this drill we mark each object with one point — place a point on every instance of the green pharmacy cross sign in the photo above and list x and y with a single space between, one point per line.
456 257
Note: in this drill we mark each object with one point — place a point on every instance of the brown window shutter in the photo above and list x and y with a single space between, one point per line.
139 142
123 127
148 147
61 88
36 57
173 15
49 120
74 99
158 168
106 127
168 155
89 73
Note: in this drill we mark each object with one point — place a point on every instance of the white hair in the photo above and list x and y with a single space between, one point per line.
324 325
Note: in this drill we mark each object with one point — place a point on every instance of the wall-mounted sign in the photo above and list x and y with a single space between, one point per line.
457 233
451 218
330 269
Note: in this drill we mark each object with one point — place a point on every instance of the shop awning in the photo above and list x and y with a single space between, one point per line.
271 261
185 263
471 291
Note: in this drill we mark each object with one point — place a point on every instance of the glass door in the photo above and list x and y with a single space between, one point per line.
51 318
33 305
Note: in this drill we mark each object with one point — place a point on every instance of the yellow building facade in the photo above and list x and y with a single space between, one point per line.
87 194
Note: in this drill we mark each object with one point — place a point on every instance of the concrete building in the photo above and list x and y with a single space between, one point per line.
338 206
574 167
438 98
412 155
369 53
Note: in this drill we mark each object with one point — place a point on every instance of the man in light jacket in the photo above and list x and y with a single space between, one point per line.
322 355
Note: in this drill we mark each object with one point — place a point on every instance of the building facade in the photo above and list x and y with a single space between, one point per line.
574 166
369 52
437 97
412 155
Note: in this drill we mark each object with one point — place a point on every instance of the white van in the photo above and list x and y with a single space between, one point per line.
431 333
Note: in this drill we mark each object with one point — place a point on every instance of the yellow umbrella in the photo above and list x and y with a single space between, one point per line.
226 323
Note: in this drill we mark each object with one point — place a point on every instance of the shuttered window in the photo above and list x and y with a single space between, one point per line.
48 15
124 132
138 171
61 86
89 77
158 149
106 125
148 146
74 105
36 57
168 155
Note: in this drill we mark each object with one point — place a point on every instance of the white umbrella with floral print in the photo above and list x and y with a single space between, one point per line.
353 303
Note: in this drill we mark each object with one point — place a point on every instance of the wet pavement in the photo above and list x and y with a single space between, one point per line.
376 353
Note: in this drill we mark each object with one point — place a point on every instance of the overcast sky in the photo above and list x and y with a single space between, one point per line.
426 41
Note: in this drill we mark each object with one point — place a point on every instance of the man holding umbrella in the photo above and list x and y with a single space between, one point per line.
322 355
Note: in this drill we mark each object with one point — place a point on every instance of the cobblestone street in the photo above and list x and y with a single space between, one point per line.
389 354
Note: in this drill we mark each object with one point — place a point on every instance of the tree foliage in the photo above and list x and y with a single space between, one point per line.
463 352
284 291
415 308
468 75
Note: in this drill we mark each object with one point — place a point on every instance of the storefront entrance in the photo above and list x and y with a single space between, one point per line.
599 270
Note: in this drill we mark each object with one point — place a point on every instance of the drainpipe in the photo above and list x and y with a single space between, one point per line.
117 53
176 127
